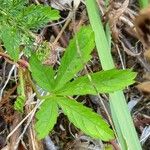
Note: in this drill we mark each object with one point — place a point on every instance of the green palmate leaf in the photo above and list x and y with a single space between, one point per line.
104 81
35 16
86 120
47 117
43 75
73 60
11 39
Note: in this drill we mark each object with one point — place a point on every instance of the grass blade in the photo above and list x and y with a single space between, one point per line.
120 113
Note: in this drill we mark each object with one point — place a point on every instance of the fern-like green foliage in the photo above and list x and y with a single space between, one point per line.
65 85
18 20
35 16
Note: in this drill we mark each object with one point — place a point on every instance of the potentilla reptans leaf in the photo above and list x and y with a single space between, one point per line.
46 117
101 82
85 119
43 75
74 59
11 39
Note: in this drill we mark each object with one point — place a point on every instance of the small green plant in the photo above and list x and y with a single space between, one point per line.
61 87
18 22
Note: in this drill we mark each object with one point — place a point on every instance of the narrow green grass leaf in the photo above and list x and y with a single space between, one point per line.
43 75
47 117
11 39
85 119
104 81
124 125
71 62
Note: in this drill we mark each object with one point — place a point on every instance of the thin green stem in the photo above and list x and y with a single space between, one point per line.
21 80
